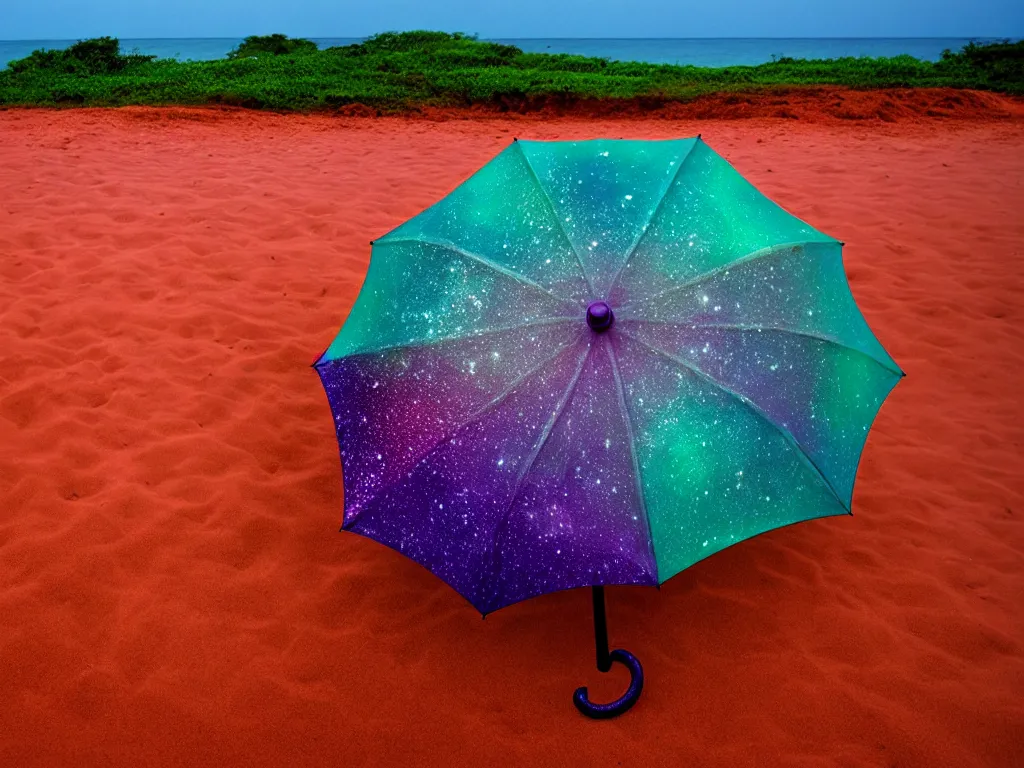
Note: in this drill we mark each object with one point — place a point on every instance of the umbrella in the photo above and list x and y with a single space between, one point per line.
595 363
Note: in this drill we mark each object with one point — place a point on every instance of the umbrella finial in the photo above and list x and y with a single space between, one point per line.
599 316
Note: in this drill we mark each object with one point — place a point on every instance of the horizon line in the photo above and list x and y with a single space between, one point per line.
481 37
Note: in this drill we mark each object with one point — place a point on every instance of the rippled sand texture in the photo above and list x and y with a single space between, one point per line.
173 586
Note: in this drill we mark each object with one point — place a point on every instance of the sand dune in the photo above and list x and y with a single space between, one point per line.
173 586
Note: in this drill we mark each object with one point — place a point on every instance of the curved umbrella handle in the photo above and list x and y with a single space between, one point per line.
621 704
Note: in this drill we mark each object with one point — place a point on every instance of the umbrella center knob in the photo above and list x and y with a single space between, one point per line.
599 316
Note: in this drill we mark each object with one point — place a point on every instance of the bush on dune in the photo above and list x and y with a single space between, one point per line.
99 56
1001 62
274 45
396 71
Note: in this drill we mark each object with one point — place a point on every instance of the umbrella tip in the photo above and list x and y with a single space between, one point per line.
515 138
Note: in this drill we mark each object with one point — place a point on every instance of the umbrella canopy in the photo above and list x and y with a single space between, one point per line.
594 363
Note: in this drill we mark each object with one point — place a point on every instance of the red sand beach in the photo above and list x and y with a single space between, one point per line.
174 590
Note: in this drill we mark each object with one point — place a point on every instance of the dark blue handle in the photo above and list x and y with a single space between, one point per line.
620 705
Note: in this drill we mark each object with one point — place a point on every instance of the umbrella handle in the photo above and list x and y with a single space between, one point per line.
604 663
623 703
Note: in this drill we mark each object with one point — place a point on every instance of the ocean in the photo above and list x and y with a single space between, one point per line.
705 52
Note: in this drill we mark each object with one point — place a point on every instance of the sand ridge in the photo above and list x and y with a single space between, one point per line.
173 586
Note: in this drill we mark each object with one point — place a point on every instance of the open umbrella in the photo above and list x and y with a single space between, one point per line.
595 363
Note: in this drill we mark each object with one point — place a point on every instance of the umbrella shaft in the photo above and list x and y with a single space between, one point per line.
604 658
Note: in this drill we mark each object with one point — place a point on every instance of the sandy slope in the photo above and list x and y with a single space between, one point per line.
173 588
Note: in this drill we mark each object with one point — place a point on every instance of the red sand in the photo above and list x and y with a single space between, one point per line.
173 588
808 103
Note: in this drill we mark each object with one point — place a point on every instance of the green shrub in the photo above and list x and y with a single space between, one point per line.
275 45
998 63
98 56
394 42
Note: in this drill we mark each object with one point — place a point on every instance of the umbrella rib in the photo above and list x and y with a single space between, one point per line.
786 434
475 416
704 276
759 328
464 337
631 439
481 259
528 464
650 220
554 215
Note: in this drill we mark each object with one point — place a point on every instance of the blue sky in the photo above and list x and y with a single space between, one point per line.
70 19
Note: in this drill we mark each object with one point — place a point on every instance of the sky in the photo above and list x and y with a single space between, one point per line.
76 19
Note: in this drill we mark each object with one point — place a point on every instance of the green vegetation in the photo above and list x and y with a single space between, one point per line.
393 72
1000 63
276 45
99 56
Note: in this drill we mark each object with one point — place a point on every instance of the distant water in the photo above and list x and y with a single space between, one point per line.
705 52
